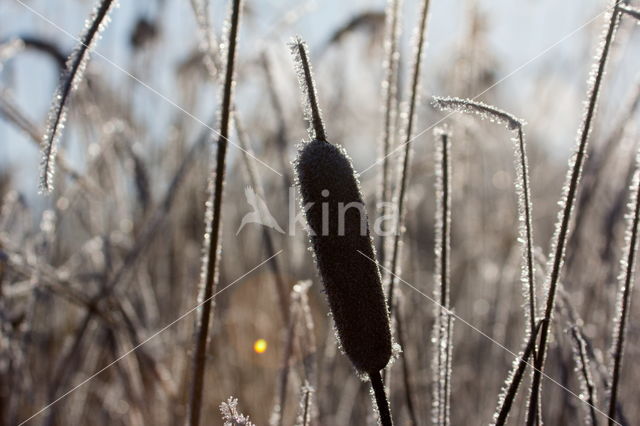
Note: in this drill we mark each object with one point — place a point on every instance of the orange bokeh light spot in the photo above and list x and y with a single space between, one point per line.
260 346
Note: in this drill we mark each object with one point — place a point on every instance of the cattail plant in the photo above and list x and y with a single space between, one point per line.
441 290
569 191
211 247
626 279
523 190
344 253
69 81
407 137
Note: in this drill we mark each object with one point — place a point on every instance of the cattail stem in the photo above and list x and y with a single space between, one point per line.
381 399
562 227
406 371
624 298
212 258
305 76
328 182
505 407
414 98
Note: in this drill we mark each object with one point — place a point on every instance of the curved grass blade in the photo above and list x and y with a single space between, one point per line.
71 77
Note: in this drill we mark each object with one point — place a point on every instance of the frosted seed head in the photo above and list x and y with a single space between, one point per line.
344 255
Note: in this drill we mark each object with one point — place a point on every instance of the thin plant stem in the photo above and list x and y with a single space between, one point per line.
390 96
414 99
515 379
76 65
628 10
568 200
586 381
624 298
406 370
256 184
441 288
523 189
310 97
381 399
213 237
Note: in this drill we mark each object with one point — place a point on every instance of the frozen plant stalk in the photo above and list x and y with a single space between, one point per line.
389 92
407 137
567 202
522 190
441 328
628 264
340 240
211 249
70 79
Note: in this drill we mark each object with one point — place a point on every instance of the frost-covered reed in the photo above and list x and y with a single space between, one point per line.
567 202
626 280
510 388
69 81
390 95
523 189
406 138
211 246
341 243
441 291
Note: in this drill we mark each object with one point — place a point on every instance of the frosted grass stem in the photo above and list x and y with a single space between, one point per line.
567 202
71 77
628 263
414 100
213 217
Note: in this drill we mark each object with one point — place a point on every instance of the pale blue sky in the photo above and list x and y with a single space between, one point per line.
519 30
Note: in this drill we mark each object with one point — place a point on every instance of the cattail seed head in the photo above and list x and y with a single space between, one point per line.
337 225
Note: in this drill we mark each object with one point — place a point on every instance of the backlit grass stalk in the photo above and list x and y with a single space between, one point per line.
71 78
256 184
556 259
628 10
213 220
587 387
300 328
626 279
304 416
213 63
510 389
523 190
208 42
341 243
441 290
389 93
414 100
